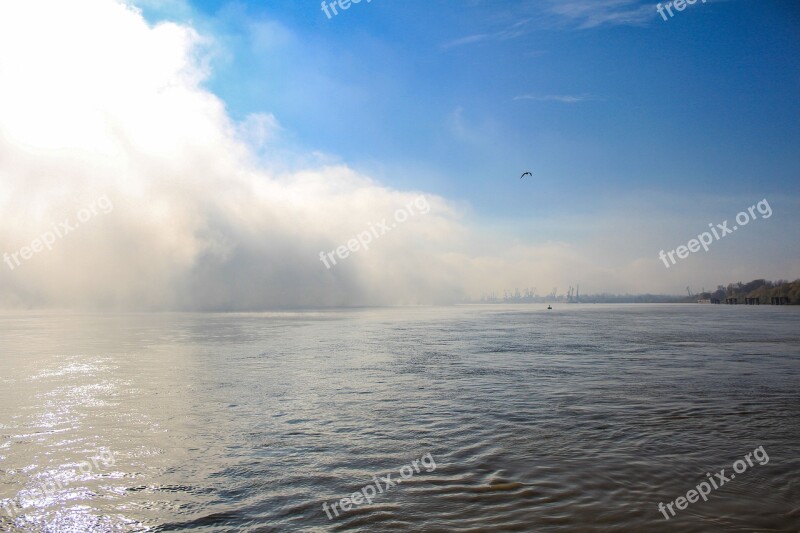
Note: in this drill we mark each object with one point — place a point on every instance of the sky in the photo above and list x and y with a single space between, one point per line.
204 153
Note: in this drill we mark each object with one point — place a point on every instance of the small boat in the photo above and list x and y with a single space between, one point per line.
549 307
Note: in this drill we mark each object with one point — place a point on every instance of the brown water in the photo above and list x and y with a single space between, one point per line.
581 418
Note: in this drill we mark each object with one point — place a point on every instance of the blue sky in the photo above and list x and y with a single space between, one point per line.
239 139
598 99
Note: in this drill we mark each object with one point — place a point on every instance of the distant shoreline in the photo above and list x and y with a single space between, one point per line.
756 292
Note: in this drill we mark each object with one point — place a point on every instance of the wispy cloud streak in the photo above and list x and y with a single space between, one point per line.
518 29
585 14
563 14
564 99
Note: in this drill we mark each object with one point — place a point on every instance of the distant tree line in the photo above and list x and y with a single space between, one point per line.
758 288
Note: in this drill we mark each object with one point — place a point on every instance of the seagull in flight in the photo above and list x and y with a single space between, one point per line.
526 174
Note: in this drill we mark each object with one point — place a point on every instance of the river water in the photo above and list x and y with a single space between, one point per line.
584 418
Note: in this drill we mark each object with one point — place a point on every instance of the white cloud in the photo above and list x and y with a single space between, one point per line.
259 129
97 102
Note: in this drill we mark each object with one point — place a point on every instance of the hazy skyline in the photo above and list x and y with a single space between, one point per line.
237 140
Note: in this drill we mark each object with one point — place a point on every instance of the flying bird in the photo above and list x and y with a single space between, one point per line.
526 174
